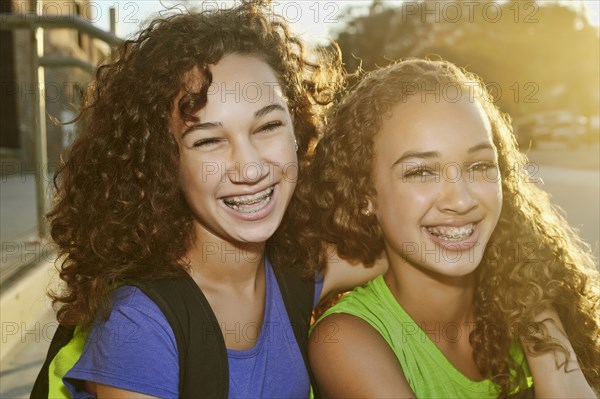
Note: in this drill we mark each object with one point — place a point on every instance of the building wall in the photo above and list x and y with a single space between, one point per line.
63 86
9 137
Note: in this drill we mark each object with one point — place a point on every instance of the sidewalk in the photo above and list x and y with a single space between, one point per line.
26 271
21 247
18 210
28 324
20 367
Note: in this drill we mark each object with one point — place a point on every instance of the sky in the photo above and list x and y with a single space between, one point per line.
314 20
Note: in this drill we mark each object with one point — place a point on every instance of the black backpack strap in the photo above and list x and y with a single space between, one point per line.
203 366
61 337
298 296
529 393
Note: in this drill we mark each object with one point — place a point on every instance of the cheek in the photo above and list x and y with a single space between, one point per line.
289 160
186 177
418 196
402 205
282 159
290 173
284 148
197 177
490 194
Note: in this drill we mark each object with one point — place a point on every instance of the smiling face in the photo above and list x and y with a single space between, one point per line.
438 192
238 166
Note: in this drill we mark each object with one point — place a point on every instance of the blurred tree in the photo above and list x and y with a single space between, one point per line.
535 55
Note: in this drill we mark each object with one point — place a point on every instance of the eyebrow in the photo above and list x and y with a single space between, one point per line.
480 147
436 154
269 108
213 125
202 126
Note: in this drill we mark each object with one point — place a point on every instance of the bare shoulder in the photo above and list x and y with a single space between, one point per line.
343 329
351 359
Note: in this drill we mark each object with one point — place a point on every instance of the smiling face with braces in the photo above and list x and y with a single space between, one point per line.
432 221
238 165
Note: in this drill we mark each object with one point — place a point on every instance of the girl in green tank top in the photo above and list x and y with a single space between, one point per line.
489 293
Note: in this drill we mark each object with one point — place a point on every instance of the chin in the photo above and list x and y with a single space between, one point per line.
458 270
256 237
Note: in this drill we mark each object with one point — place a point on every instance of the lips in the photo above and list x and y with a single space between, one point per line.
251 203
452 233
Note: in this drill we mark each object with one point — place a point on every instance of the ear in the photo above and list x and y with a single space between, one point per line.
368 207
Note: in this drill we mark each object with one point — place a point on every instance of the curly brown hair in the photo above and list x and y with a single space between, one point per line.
119 215
550 266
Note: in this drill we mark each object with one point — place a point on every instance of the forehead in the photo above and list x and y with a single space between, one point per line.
243 79
240 85
243 69
236 78
433 125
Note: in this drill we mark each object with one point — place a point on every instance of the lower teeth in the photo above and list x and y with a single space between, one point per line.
453 238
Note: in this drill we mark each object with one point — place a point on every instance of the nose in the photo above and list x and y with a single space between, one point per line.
456 196
245 165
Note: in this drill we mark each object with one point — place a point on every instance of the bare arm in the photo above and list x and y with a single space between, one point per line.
350 359
549 376
342 275
106 391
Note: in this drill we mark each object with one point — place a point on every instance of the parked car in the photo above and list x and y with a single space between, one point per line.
593 132
552 126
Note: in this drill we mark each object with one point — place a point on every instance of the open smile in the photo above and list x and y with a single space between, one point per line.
456 238
251 207
250 203
452 233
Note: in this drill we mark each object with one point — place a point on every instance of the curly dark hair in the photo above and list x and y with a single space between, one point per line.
549 267
119 214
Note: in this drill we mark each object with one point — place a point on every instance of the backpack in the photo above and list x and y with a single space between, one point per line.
190 315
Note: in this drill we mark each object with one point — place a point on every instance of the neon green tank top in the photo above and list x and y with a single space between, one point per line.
427 370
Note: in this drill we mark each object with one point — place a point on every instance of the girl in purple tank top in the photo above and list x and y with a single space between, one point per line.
191 145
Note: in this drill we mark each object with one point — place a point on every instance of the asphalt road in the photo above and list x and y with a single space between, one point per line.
577 192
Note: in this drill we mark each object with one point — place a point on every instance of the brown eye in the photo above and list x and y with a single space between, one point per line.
419 172
482 166
268 127
206 142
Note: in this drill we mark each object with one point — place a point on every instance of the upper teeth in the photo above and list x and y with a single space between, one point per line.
248 199
452 232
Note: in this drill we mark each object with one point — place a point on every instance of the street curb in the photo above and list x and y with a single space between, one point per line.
22 305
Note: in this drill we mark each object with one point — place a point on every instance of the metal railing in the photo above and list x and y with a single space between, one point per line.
36 23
